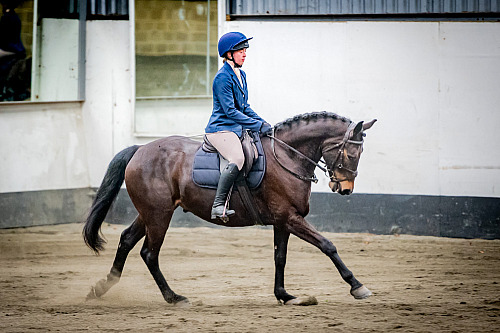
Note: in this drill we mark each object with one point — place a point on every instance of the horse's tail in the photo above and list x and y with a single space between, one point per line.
105 196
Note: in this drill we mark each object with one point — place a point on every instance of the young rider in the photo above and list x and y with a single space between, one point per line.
231 115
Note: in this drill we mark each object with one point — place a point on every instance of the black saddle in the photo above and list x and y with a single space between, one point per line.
208 162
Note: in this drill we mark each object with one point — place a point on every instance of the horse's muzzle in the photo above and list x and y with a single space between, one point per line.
345 192
337 187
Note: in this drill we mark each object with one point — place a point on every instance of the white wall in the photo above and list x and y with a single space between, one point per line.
42 147
108 109
173 116
68 145
432 86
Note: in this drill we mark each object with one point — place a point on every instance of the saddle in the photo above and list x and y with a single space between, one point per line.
208 163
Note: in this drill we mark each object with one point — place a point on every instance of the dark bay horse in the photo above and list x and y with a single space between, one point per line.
158 180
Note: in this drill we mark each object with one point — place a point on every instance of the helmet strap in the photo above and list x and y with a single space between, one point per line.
232 60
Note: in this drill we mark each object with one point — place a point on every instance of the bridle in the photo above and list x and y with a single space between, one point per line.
330 173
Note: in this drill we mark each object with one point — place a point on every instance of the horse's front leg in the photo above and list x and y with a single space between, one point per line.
281 237
298 226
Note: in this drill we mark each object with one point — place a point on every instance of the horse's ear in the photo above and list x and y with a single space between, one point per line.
369 124
357 132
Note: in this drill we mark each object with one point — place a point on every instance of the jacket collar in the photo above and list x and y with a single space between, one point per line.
230 70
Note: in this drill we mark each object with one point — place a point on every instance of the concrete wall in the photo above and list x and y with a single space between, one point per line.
55 153
63 145
42 147
433 86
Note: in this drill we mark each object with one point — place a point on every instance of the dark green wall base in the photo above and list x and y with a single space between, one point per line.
25 209
465 217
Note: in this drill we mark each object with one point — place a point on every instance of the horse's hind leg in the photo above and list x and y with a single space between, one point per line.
150 251
298 226
128 240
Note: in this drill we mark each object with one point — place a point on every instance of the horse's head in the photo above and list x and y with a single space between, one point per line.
342 157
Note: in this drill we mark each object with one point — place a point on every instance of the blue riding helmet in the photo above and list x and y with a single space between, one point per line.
232 41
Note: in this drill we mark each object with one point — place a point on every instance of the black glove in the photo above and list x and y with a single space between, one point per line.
266 129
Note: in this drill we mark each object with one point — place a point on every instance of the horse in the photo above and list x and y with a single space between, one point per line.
158 180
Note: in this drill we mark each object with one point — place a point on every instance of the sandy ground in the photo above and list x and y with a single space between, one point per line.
420 284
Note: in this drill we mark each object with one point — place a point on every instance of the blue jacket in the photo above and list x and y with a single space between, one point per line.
231 111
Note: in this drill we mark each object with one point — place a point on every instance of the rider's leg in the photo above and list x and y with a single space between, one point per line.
229 146
227 178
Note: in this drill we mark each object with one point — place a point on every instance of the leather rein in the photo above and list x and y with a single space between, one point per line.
328 172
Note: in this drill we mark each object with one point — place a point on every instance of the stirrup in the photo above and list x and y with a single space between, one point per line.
220 213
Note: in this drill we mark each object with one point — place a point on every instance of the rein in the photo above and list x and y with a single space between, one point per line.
328 172
305 178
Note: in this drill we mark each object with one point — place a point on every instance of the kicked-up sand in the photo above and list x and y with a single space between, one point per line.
419 284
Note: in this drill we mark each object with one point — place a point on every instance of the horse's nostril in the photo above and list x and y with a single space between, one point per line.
345 192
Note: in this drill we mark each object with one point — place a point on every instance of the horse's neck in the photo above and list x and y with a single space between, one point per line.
305 139
308 137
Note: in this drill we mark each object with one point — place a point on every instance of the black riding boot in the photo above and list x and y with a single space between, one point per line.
227 178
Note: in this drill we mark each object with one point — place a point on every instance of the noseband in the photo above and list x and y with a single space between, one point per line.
341 145
330 173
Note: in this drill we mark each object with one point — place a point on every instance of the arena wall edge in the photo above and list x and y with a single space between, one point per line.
442 216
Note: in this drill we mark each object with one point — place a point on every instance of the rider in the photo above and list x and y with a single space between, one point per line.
231 114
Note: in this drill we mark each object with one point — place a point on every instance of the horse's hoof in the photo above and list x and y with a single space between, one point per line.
185 303
304 301
100 288
361 293
91 294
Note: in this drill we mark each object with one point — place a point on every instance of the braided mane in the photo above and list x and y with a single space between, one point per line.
310 117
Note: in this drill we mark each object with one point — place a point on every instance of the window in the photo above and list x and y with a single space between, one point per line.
175 48
47 63
175 59
16 39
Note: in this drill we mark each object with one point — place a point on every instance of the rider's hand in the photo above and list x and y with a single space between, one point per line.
266 129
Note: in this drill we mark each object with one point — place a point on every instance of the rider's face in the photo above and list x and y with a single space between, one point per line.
239 57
